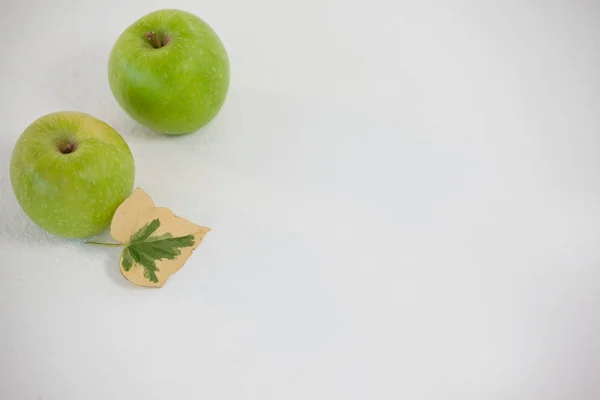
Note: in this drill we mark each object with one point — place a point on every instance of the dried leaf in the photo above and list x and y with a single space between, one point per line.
157 243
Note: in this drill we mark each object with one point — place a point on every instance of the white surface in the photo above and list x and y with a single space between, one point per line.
404 196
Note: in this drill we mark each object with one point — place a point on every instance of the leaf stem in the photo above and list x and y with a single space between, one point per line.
106 244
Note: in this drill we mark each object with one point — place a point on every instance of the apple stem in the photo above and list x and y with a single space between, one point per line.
154 40
106 244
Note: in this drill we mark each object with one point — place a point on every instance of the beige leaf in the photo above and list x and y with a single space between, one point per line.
157 243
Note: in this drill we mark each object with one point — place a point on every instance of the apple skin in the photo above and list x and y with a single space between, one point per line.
174 89
69 172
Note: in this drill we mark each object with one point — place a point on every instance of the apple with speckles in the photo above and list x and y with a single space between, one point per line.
170 72
69 172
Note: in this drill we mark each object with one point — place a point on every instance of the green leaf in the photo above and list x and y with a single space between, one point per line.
127 259
145 232
145 250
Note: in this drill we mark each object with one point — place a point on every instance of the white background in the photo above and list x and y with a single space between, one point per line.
404 196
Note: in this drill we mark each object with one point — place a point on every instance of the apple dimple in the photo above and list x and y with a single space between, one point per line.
157 40
66 146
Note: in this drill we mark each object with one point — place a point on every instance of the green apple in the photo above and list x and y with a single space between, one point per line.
70 171
170 72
